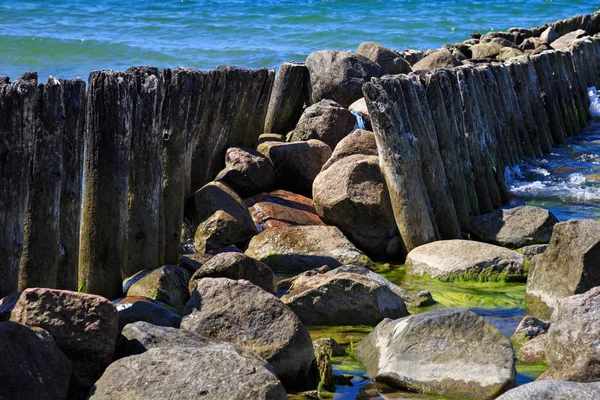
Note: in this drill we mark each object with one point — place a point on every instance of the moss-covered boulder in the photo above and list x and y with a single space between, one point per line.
533 351
167 284
451 352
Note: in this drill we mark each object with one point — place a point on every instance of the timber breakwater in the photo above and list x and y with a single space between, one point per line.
186 191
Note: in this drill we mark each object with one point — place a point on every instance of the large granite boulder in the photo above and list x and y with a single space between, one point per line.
438 59
31 367
343 299
301 248
573 350
358 142
326 121
446 259
167 284
245 315
84 327
451 352
339 75
247 171
282 208
352 195
554 390
137 308
570 265
297 163
390 61
209 372
222 229
549 35
236 266
514 227
567 39
485 50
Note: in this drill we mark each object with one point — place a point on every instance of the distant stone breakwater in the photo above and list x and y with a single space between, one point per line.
447 124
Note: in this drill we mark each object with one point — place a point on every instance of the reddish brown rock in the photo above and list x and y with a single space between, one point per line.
282 208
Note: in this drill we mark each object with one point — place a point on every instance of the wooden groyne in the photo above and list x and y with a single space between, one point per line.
477 121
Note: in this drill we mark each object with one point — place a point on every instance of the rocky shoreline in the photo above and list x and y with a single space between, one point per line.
226 213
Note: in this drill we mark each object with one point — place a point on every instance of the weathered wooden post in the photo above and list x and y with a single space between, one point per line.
104 217
145 173
537 108
562 91
287 98
18 109
70 195
400 163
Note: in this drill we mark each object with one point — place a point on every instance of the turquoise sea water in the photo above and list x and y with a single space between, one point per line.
71 38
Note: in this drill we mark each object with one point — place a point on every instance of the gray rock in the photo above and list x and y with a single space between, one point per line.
531 251
485 50
570 265
506 53
343 299
247 171
302 248
549 35
210 372
236 266
133 309
246 316
352 195
326 121
390 61
339 75
567 39
222 229
31 367
452 352
531 44
514 227
554 390
572 351
446 258
167 284
358 142
533 351
529 328
7 304
438 59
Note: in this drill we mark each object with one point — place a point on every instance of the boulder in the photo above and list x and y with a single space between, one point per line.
503 42
247 171
531 44
438 59
245 315
553 390
139 337
298 163
352 195
301 248
446 259
507 53
7 304
136 308
343 299
210 372
567 39
215 196
31 367
282 208
533 351
84 327
339 75
410 298
514 227
485 50
269 137
549 35
528 329
390 61
531 251
167 284
222 229
236 266
570 265
192 262
329 345
326 121
451 352
358 142
572 351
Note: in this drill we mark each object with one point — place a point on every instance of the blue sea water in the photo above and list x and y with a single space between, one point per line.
70 38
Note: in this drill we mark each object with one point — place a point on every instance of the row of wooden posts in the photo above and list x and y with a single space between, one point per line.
447 137
136 137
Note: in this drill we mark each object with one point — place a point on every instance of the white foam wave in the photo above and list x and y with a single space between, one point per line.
594 102
576 179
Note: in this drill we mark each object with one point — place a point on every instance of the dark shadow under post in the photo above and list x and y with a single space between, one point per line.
104 217
18 108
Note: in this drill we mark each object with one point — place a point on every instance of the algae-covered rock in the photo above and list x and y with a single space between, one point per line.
167 284
222 229
553 390
301 248
343 299
570 265
209 372
451 352
534 350
447 259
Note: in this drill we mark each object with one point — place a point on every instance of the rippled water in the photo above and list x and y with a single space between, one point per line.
71 38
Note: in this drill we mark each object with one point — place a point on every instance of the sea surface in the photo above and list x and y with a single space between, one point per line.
71 38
